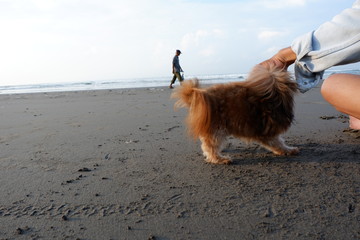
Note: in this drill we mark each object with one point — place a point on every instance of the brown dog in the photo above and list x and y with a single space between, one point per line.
258 109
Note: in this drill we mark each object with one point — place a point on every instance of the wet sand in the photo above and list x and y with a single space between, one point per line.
117 164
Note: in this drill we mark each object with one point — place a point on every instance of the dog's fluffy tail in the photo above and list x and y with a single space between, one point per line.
191 96
185 93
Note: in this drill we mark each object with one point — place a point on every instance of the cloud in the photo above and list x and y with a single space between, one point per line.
197 38
208 51
278 4
218 32
268 35
193 39
44 4
272 50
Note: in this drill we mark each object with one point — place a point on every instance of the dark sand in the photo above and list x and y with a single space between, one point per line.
119 165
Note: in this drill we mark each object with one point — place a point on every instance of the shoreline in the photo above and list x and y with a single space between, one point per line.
117 164
133 83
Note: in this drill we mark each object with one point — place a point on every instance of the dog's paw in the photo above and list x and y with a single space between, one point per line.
291 151
219 160
287 152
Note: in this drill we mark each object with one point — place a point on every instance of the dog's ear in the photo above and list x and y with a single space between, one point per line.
274 89
265 82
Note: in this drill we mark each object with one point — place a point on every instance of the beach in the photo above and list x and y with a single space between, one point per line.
118 164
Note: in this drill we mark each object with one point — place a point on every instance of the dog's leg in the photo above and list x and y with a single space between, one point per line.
211 147
278 146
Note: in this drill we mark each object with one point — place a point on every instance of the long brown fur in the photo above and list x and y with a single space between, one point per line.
259 109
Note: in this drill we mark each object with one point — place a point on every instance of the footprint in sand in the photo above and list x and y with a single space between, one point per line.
172 128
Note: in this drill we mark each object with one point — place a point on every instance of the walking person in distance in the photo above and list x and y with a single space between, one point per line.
176 69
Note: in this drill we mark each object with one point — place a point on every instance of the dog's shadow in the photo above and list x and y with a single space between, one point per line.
309 152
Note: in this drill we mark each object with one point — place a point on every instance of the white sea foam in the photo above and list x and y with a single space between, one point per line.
130 83
114 84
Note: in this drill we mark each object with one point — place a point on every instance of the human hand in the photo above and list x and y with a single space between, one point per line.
282 60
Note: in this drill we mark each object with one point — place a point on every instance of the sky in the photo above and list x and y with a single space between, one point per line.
44 41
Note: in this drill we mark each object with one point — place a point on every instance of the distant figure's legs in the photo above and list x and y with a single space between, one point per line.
178 76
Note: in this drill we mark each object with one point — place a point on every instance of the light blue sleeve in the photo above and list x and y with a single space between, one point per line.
336 42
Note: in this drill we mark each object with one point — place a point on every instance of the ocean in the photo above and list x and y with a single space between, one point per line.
132 83
116 84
